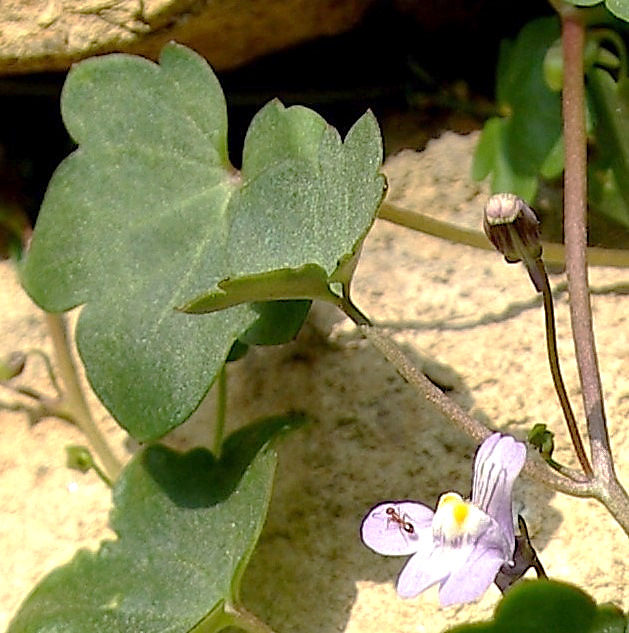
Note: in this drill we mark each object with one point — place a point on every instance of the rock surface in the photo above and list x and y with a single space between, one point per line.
49 35
472 324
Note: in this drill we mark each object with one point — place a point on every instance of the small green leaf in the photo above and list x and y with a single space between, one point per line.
553 164
542 439
605 195
610 102
79 458
609 619
553 67
491 158
535 123
186 528
148 213
279 322
526 141
539 606
584 3
620 8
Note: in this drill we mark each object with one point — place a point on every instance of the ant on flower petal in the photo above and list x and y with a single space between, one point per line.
402 521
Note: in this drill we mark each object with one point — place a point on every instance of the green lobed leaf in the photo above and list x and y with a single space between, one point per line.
527 140
490 159
610 103
620 8
534 126
540 606
186 527
310 204
148 213
131 223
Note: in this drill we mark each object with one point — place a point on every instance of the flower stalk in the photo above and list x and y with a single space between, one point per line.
555 370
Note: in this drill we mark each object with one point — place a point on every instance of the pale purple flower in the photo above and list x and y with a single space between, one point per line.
463 544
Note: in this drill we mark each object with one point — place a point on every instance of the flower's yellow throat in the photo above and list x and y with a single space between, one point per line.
457 520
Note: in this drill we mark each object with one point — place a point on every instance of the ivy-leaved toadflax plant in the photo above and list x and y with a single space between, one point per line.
463 544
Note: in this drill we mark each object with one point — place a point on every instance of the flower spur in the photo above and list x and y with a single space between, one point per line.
463 544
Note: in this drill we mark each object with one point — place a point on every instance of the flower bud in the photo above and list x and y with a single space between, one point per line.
512 227
12 366
79 458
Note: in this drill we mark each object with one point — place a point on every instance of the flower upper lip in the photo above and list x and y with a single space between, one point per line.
464 543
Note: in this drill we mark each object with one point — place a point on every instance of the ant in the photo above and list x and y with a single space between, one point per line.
402 522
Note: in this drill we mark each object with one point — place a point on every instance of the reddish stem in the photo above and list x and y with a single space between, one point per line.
575 222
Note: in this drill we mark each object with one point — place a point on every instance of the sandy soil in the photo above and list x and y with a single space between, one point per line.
374 437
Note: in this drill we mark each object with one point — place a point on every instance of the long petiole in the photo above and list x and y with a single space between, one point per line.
247 621
229 616
555 370
221 408
75 403
553 253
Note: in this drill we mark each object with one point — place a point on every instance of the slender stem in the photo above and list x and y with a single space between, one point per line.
76 405
103 475
615 498
16 406
247 621
553 253
43 407
49 368
29 392
345 304
535 467
350 309
392 352
221 408
555 369
227 615
575 223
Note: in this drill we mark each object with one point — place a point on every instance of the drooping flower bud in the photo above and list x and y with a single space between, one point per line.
512 227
